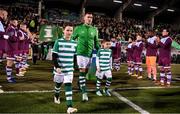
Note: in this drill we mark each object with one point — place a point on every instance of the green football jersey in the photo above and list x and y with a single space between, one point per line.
87 37
175 45
104 59
65 50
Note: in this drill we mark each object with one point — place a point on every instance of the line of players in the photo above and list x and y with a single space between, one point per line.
14 43
156 46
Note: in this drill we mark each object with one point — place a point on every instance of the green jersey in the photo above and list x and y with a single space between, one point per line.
104 59
66 51
87 37
175 45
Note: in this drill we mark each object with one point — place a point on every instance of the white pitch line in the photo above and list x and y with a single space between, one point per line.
134 106
33 91
90 90
177 79
36 91
1 91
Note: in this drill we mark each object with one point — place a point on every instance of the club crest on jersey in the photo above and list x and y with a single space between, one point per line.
82 32
92 34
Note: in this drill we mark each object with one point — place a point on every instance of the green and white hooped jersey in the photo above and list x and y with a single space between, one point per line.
66 51
104 59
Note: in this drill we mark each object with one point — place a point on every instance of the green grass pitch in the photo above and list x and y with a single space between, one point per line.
39 77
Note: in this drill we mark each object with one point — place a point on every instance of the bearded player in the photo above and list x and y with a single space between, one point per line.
87 40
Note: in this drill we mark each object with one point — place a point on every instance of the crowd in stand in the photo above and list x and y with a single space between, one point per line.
59 15
107 27
111 27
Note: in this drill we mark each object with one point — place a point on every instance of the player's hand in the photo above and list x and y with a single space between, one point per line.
21 38
133 43
98 69
58 70
6 37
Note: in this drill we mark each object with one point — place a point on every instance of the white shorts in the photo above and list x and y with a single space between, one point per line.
83 62
101 74
63 77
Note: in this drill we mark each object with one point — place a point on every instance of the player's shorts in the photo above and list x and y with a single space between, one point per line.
63 77
3 47
102 74
83 62
20 52
1 53
137 60
11 55
151 60
164 62
25 52
129 59
117 60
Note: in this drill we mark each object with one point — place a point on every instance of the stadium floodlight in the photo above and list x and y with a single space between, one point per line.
153 7
117 1
171 10
135 4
